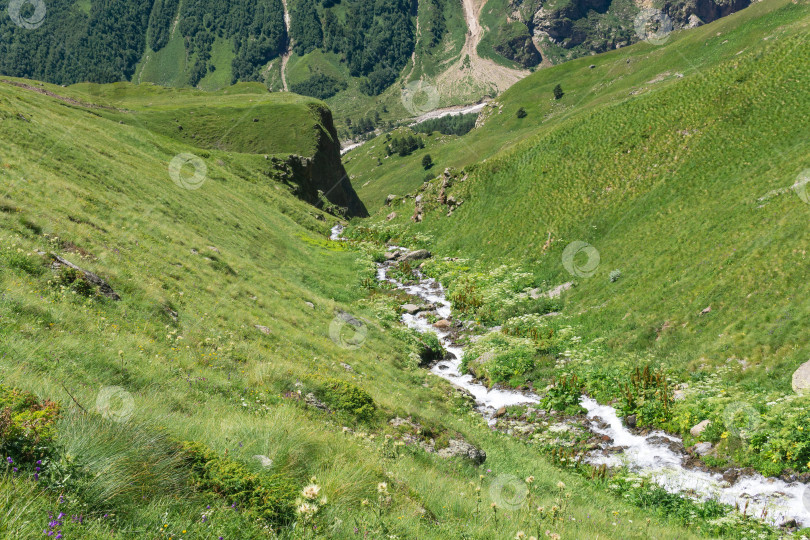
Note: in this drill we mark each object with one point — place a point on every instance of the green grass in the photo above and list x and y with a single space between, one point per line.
196 271
676 163
167 67
221 57
244 118
615 75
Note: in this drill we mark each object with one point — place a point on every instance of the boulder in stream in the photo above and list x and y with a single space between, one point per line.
443 324
701 449
411 309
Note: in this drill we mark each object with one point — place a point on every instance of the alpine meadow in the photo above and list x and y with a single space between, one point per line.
404 269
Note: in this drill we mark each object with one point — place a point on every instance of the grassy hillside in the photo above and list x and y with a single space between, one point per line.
616 74
677 164
179 410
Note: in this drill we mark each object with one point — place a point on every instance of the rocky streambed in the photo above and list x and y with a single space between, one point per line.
658 456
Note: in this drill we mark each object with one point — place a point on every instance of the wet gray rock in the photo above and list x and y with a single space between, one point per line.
701 449
458 448
411 309
630 420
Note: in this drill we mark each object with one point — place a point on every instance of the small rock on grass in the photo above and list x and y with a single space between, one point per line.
699 428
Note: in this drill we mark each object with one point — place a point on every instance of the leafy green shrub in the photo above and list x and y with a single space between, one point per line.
27 426
558 92
511 366
565 395
403 272
265 496
75 280
345 396
430 348
521 113
648 396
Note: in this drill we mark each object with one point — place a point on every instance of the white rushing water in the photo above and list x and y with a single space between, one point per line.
431 292
649 456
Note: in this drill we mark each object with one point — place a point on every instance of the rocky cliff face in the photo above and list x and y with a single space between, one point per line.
322 174
581 27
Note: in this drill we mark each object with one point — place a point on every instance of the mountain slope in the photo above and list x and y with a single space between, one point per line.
683 167
180 407
358 54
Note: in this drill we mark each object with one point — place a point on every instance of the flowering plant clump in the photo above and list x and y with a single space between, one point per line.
27 427
309 503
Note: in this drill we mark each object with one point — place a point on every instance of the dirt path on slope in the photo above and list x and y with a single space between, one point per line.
286 56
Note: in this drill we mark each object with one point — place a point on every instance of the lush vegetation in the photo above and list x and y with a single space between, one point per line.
667 167
256 29
102 44
458 124
404 145
320 86
183 409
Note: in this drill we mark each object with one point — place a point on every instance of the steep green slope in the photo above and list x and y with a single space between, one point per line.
243 118
231 311
683 167
615 75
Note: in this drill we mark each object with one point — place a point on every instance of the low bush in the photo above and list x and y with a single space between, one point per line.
27 426
345 396
265 496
